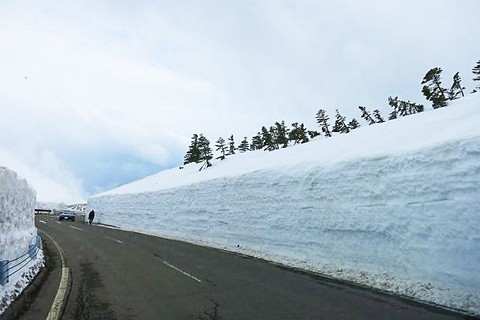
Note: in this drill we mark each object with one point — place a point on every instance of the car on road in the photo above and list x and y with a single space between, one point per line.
67 215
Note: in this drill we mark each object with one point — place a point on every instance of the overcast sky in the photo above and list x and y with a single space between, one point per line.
94 94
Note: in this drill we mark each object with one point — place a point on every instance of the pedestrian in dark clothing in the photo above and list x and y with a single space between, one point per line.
91 215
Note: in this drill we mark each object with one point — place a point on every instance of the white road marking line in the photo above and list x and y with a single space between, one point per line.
58 222
113 239
181 271
42 221
57 305
59 301
76 228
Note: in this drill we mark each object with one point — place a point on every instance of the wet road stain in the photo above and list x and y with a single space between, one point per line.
89 305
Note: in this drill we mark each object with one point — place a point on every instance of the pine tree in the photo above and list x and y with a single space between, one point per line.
414 107
205 152
313 133
303 134
432 89
273 133
221 147
398 109
366 115
354 124
476 75
393 115
456 90
298 134
244 146
257 142
231 146
322 120
340 125
281 134
293 136
378 116
267 139
403 108
193 153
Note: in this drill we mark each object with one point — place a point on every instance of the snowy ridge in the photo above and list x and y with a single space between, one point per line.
393 206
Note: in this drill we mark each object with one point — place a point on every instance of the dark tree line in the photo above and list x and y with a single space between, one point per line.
280 136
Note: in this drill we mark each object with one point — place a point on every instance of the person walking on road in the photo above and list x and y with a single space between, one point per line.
91 215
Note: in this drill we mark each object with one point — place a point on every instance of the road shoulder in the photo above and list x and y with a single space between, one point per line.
36 300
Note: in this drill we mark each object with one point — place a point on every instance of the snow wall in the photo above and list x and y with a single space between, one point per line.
408 223
19 244
17 221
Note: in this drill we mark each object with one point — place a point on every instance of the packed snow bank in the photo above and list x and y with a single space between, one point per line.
394 206
17 235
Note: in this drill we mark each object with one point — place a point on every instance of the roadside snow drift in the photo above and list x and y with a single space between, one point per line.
395 206
17 232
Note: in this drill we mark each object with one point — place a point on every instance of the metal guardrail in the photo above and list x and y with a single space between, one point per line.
11 267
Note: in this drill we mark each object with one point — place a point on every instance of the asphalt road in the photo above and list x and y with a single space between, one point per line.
125 275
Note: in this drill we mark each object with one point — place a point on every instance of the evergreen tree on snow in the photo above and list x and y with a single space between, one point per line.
392 115
268 139
366 115
403 108
273 133
193 153
456 90
205 151
281 134
222 147
432 89
313 133
412 107
298 134
354 124
476 75
395 104
378 116
231 146
322 120
340 124
257 142
244 146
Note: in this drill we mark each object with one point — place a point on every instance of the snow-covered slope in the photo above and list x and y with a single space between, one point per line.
17 232
395 206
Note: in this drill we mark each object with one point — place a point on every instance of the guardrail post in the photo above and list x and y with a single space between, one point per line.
32 251
32 248
4 272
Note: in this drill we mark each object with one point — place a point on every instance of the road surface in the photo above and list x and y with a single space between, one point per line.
125 275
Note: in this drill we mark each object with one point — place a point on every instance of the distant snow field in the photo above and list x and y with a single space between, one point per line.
393 206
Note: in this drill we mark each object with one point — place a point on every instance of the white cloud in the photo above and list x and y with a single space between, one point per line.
52 180
141 77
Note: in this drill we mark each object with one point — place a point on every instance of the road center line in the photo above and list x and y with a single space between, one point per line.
113 239
76 228
181 271
42 221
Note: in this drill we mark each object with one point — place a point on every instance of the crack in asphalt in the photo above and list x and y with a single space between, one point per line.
211 314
